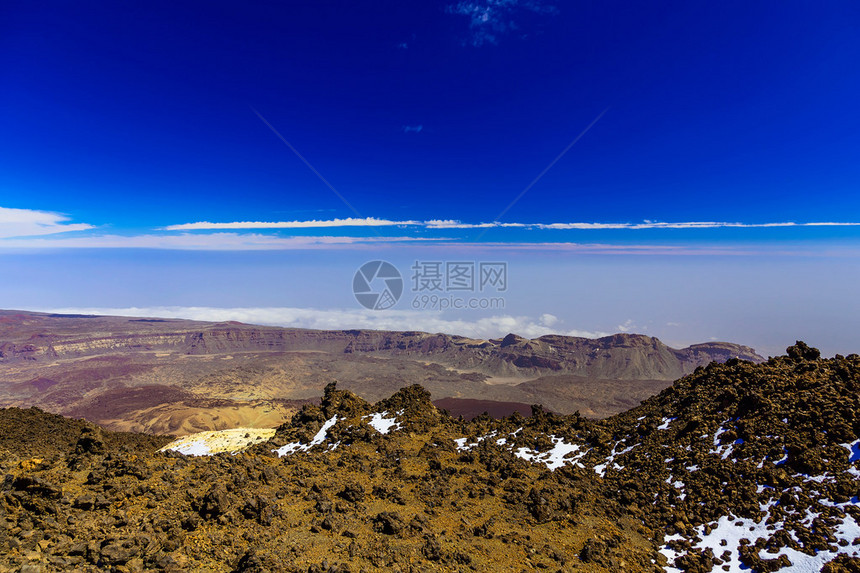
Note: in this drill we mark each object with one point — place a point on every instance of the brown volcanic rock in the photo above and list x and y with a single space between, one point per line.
405 501
724 442
32 432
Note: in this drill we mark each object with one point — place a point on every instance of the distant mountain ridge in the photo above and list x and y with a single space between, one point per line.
180 376
620 356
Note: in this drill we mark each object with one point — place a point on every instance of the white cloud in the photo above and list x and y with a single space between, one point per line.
455 224
452 224
312 224
30 223
341 319
630 326
548 319
30 229
685 225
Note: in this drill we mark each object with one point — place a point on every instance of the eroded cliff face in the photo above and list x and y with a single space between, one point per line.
620 356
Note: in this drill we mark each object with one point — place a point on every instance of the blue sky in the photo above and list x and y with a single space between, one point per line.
614 151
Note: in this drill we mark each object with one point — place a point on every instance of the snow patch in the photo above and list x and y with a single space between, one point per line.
463 446
600 469
723 450
847 532
728 531
560 455
853 451
318 439
379 422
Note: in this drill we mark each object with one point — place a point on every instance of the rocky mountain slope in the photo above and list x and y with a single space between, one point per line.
735 467
179 377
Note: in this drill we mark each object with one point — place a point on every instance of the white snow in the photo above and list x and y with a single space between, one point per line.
817 479
848 531
600 469
318 439
728 531
853 451
462 446
665 424
723 450
679 485
381 424
560 454
855 501
670 553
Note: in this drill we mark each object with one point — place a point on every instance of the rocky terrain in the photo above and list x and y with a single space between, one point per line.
735 467
179 377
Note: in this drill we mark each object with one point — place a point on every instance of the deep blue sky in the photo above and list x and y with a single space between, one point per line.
716 111
118 120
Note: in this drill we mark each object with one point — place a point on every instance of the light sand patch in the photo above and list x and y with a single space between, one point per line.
215 442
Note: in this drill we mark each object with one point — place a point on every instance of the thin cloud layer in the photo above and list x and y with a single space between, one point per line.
490 19
32 223
34 229
312 224
455 224
343 319
202 242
